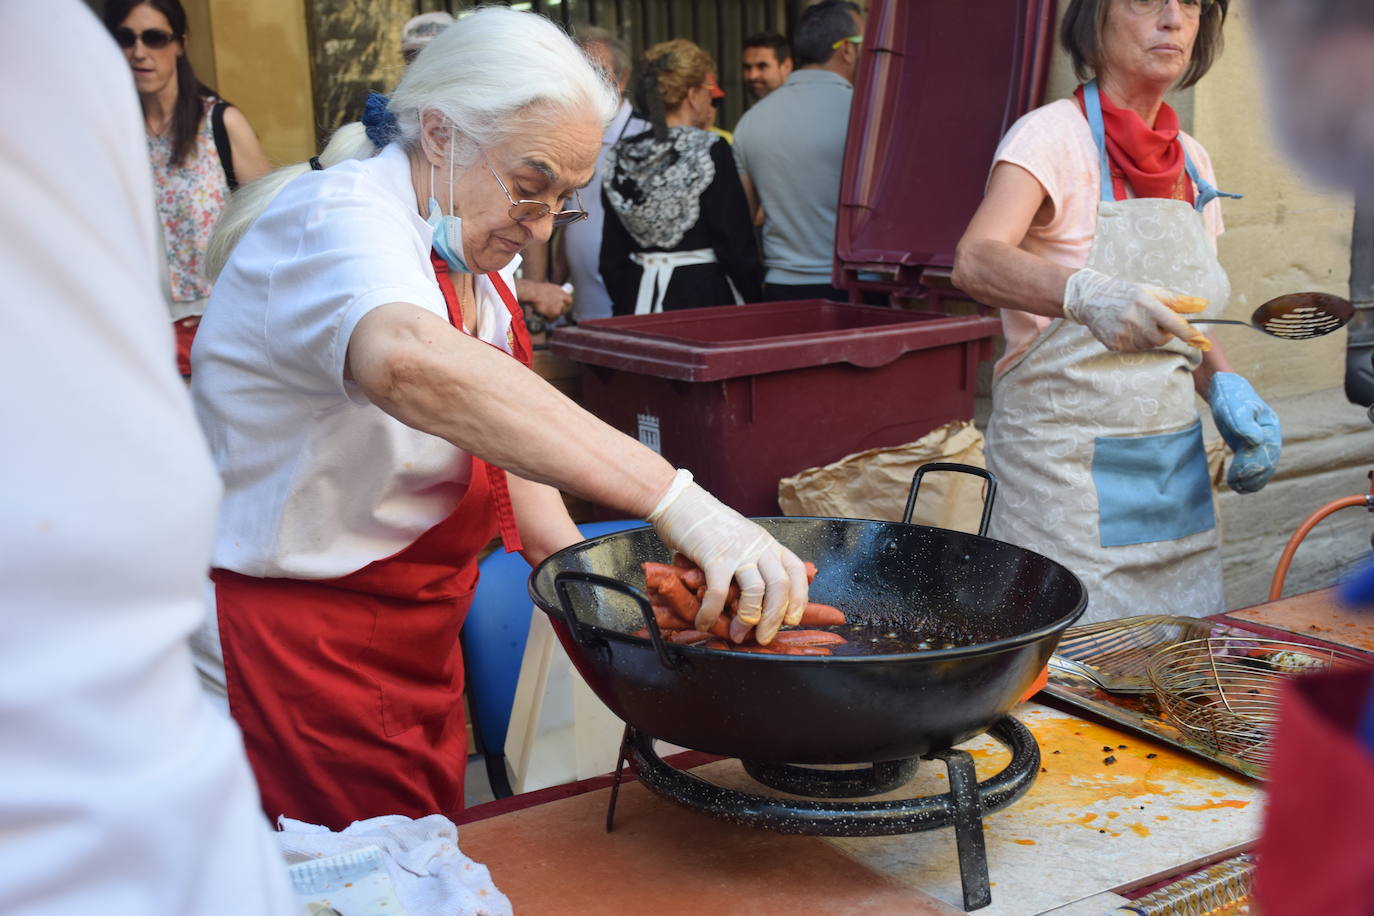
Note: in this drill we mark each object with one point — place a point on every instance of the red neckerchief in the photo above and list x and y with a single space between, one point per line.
1149 161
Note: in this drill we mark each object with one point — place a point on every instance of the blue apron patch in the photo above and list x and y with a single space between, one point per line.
1152 488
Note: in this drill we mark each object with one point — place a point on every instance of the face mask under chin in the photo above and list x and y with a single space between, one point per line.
447 237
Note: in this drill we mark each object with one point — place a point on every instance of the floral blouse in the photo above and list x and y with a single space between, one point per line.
190 198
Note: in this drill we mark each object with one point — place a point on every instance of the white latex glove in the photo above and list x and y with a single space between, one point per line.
1129 317
726 545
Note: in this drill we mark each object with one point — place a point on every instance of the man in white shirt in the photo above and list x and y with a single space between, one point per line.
582 242
121 790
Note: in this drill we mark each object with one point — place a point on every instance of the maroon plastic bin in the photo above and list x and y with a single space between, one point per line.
745 396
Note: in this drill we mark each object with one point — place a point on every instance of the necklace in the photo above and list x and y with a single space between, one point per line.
467 302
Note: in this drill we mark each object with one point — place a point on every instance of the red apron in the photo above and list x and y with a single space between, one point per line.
185 333
349 690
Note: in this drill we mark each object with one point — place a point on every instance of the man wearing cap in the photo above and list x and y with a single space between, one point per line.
766 62
790 150
717 100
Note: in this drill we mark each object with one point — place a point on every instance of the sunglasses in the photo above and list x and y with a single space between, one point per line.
153 39
852 39
1155 7
524 210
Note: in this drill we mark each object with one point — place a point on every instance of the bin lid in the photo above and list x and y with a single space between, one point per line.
937 87
729 341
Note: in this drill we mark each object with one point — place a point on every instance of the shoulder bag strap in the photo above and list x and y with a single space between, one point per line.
226 152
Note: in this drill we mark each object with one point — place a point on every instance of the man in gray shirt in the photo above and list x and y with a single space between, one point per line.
790 149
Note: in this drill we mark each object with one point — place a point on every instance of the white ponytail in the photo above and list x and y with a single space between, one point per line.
489 73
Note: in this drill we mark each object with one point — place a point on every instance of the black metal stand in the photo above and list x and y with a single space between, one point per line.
962 807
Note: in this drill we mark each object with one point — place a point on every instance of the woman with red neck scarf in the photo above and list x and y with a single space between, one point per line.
1097 235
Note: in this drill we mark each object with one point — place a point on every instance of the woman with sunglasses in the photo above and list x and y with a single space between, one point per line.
200 148
359 378
678 233
1097 235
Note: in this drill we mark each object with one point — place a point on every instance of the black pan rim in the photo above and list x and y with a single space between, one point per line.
982 648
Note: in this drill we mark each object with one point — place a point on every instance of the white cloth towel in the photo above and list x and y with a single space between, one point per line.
432 877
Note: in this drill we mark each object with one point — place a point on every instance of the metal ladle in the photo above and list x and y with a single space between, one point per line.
1296 316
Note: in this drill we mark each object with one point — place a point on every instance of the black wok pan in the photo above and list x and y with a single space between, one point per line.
1003 607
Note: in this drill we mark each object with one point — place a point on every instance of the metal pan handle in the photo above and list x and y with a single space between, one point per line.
989 495
666 656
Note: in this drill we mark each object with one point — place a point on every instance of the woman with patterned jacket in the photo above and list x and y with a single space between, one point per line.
678 233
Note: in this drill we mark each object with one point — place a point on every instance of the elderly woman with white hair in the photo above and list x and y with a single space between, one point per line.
359 376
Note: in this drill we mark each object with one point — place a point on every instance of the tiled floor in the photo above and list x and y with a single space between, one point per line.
476 787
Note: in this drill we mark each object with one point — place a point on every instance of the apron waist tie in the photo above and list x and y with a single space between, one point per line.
658 271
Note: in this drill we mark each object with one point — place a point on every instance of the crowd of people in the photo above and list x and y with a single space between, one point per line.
361 418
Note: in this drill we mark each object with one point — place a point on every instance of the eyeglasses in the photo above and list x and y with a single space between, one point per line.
1190 8
524 210
852 39
153 39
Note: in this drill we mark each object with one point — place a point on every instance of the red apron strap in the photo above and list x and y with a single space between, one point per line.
521 346
520 341
455 308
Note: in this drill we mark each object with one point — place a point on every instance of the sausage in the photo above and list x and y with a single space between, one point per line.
807 638
774 649
666 619
656 574
822 615
675 595
688 637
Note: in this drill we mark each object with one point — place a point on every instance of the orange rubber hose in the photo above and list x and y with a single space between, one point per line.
1281 572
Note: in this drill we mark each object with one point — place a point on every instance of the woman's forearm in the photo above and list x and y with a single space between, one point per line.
1213 361
996 273
415 366
542 517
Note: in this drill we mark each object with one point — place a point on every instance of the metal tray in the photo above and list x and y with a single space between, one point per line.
1141 713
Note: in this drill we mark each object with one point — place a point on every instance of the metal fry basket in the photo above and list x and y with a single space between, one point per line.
1224 691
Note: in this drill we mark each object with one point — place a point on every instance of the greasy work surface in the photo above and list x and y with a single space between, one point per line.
1311 616
666 861
1085 826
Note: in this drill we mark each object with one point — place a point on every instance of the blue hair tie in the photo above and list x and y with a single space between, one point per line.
381 124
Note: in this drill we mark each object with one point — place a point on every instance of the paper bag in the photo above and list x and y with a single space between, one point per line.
874 484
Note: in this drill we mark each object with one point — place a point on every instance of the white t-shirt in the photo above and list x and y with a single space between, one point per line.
318 482
121 790
1055 144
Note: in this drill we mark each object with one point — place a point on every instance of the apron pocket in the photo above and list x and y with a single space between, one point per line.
1152 488
415 660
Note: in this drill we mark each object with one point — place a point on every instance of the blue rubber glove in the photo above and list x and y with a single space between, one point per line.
1250 427
1358 591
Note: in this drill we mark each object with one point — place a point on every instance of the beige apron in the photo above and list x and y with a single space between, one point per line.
1099 454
